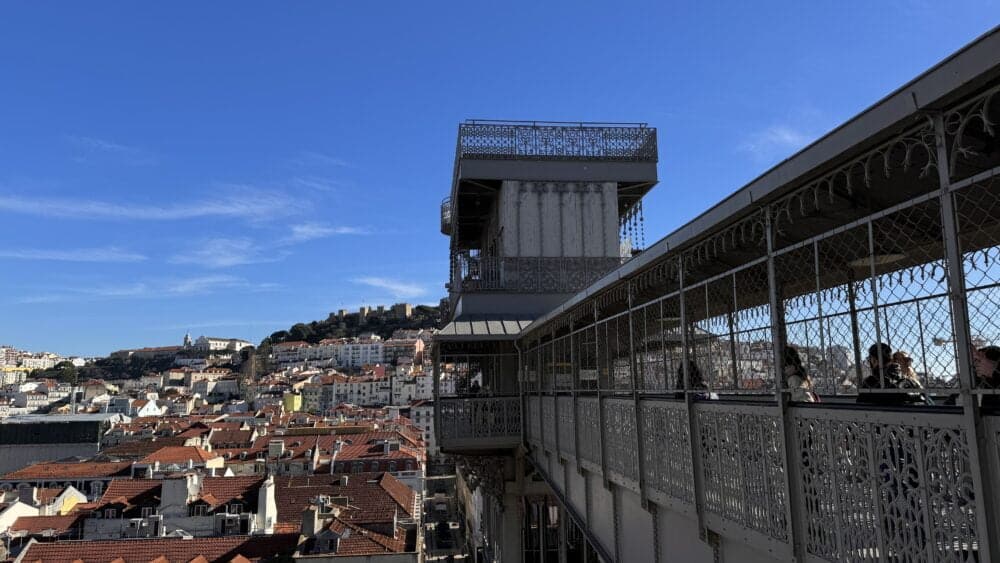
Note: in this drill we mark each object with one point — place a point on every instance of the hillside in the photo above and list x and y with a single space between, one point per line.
333 327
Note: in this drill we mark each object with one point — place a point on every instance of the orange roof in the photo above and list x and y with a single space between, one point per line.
217 491
72 469
362 541
225 549
179 454
48 494
32 525
373 497
130 491
138 449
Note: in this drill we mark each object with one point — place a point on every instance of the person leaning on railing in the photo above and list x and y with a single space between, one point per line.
906 370
701 390
797 379
986 362
887 375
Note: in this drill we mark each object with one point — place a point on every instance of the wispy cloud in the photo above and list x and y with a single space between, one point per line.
396 288
87 293
317 183
785 136
226 252
311 231
178 287
235 202
776 140
93 145
315 158
209 284
105 254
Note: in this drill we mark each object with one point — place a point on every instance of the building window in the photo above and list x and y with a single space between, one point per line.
148 511
198 510
374 466
110 513
236 508
392 466
359 467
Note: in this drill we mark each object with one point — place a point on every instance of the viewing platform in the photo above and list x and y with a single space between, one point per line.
724 393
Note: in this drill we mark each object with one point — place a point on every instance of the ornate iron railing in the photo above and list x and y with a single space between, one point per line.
537 140
872 485
527 275
480 423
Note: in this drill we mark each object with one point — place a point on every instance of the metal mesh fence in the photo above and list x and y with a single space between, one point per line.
977 208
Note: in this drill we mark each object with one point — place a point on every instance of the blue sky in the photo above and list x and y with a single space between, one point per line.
232 168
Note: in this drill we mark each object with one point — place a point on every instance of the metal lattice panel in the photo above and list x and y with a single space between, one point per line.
534 424
743 462
666 449
567 425
619 449
589 429
549 422
472 273
873 484
480 418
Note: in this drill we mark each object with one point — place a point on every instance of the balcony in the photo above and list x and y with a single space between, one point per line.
541 140
446 216
479 423
527 274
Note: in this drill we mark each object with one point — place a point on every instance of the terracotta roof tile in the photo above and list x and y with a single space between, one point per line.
224 490
360 541
141 448
70 469
222 437
48 494
373 497
179 454
35 525
174 550
130 492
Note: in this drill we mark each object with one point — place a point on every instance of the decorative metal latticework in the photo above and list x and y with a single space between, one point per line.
527 274
632 225
479 419
878 483
744 468
484 473
537 140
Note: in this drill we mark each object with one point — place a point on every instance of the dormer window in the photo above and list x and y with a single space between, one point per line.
236 508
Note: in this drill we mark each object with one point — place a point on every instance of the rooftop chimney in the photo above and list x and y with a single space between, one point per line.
275 448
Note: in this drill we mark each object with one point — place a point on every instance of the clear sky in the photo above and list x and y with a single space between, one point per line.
230 168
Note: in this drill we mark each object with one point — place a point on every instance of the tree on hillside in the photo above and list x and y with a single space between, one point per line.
64 371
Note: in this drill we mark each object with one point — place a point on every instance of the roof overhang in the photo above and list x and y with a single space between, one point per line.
957 76
483 327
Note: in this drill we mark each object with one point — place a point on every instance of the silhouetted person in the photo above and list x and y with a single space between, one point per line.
696 380
986 362
905 362
797 379
887 375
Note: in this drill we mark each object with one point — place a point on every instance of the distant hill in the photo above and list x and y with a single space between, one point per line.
334 327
